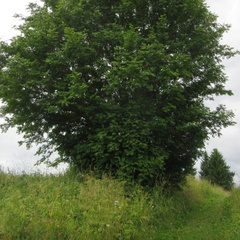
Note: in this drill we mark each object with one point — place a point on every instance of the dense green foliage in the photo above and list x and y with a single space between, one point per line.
215 169
117 86
83 207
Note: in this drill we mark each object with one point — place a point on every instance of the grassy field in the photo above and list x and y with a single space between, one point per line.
84 208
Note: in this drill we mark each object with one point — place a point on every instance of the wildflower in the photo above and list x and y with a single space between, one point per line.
116 203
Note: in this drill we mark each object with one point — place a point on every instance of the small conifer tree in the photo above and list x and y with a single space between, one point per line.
216 171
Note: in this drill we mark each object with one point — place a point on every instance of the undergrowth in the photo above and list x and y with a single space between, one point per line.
78 207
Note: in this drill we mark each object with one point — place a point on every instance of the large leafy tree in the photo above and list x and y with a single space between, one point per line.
215 169
117 86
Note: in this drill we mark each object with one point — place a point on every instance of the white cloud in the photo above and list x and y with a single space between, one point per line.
7 10
228 143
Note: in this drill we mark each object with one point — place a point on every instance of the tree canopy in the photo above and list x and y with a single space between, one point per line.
215 169
117 86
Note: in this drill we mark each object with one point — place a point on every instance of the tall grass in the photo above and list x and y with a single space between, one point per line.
82 207
63 207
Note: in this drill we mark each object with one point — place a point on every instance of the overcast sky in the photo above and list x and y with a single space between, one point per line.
17 158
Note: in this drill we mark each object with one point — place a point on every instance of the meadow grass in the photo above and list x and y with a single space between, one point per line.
66 207
77 206
203 214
